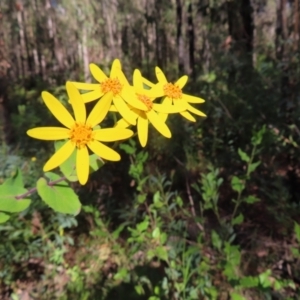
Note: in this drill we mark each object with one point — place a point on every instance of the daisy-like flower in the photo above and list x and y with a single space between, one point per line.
78 132
113 88
173 95
152 114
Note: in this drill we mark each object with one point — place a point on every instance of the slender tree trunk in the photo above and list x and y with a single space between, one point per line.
191 35
179 38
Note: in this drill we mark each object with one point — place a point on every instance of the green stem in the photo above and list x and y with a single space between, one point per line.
33 190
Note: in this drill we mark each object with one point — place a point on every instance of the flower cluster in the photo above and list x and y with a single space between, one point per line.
135 103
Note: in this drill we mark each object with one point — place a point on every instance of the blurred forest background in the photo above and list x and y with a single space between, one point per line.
212 213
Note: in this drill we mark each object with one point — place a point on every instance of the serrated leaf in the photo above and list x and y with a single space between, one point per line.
3 217
243 155
238 220
60 197
11 188
237 184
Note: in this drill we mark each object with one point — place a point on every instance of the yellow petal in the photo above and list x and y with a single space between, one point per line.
163 116
76 102
160 75
121 76
61 155
122 123
82 165
157 90
49 133
58 110
167 109
112 134
195 111
147 82
115 68
100 110
86 86
92 95
142 129
180 104
192 99
129 96
188 116
113 108
97 73
124 110
158 123
181 82
137 79
103 151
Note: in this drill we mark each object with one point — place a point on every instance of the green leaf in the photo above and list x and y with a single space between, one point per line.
3 217
249 282
253 166
127 148
236 296
297 231
237 184
60 197
216 241
95 163
238 220
156 233
11 188
142 226
251 199
243 155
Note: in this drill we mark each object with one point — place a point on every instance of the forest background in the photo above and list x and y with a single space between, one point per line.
213 212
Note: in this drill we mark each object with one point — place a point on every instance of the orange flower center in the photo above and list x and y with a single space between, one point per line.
172 90
81 135
146 100
111 85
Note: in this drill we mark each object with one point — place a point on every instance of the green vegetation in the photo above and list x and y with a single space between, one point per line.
212 213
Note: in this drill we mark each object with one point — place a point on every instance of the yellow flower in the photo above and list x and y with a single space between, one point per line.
173 95
113 88
79 133
144 117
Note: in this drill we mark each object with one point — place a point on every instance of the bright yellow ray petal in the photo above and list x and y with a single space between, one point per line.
115 68
49 133
103 151
121 76
61 155
129 96
112 134
160 75
147 82
137 79
92 95
180 104
100 110
192 99
166 101
58 110
181 82
82 165
158 123
124 110
157 90
188 116
167 109
122 123
97 73
195 111
86 86
142 129
113 108
76 102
